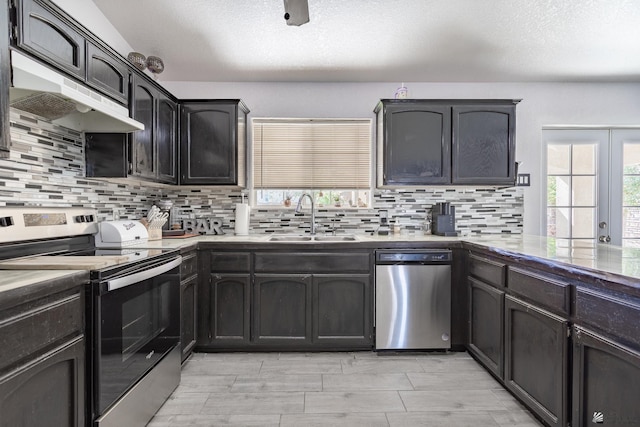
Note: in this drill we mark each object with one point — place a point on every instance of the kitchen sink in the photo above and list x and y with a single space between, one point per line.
290 239
335 238
285 238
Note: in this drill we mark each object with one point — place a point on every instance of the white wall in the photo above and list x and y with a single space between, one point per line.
543 104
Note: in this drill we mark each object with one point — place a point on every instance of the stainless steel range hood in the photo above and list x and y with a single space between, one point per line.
42 91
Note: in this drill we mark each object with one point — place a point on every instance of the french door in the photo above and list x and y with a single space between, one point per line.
593 187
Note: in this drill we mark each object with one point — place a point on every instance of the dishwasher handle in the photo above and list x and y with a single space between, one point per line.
417 257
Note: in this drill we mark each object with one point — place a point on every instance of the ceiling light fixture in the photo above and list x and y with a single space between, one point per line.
296 12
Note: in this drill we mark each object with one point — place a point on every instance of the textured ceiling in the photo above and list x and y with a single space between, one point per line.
386 40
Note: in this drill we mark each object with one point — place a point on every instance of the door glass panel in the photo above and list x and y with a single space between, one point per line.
631 195
583 159
582 224
563 190
558 222
584 190
559 159
571 190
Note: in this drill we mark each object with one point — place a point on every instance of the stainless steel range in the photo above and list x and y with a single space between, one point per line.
132 301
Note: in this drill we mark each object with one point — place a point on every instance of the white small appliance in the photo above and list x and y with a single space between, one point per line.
120 234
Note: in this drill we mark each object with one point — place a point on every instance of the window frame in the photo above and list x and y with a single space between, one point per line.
253 191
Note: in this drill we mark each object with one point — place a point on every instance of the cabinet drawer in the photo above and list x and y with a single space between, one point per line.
616 317
540 289
189 265
488 270
230 261
329 262
29 328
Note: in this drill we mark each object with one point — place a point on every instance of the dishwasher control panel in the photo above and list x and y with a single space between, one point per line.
423 257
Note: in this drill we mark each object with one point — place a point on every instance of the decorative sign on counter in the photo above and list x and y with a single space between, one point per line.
203 226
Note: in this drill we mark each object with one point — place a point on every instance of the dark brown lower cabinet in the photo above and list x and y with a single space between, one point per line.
46 391
486 325
282 310
342 310
229 316
188 319
606 381
537 359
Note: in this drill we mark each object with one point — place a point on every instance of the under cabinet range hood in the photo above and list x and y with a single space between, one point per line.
42 91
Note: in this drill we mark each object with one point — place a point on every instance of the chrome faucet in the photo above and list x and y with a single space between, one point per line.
313 211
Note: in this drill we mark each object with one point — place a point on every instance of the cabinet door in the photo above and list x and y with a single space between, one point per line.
167 140
5 77
483 144
208 139
229 316
536 359
282 310
188 315
486 325
45 34
342 310
47 391
143 141
606 381
106 155
417 140
107 73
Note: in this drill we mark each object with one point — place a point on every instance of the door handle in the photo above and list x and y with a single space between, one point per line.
604 239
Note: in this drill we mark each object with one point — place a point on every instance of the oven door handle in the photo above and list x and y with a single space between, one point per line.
134 278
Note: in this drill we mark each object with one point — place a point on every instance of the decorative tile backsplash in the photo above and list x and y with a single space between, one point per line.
46 168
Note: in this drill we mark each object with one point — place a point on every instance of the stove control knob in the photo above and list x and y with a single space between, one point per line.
89 218
81 218
6 221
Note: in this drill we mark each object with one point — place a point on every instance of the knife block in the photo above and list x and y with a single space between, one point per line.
155 233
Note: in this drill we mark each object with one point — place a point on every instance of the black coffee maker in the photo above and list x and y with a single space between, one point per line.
443 217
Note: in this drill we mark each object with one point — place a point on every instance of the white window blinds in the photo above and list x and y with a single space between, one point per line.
311 153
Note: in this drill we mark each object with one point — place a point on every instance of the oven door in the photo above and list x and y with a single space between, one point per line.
137 324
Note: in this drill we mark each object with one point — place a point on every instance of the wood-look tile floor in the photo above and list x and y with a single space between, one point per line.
339 389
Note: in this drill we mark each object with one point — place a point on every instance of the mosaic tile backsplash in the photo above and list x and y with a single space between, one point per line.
46 168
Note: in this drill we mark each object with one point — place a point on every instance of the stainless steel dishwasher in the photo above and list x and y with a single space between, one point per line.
413 299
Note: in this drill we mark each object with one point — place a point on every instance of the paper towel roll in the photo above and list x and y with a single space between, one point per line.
243 213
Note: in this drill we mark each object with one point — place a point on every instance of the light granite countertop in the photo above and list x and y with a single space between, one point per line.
599 258
14 279
605 258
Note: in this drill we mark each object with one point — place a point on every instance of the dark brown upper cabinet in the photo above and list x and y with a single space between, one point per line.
143 105
107 73
440 142
417 141
213 142
153 150
483 144
167 139
45 33
5 73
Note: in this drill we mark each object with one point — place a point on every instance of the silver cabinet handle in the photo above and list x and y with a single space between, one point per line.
131 279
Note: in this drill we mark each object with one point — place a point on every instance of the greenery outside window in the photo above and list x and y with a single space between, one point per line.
329 158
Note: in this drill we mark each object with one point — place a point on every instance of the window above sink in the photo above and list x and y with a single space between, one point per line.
329 158
324 199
